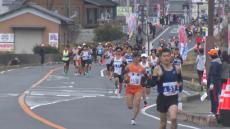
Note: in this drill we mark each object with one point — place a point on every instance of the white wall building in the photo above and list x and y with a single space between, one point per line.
3 8
203 9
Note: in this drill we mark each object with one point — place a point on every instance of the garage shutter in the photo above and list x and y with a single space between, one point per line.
25 40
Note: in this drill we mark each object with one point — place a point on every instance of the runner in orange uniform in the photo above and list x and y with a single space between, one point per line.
134 73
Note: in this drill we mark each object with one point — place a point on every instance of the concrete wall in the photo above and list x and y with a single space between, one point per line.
28 58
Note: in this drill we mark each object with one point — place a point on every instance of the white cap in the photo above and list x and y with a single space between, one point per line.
84 44
144 55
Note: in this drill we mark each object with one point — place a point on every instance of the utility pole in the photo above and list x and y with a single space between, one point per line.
210 39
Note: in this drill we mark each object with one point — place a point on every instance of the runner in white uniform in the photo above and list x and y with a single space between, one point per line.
118 64
148 73
108 59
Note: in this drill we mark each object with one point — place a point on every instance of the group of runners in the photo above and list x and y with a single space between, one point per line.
137 73
82 56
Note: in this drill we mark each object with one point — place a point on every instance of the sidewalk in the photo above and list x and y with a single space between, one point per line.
195 111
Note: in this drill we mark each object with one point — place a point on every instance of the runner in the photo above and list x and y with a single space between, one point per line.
134 90
100 52
108 58
77 59
177 59
66 58
153 59
169 81
118 64
128 55
147 76
85 55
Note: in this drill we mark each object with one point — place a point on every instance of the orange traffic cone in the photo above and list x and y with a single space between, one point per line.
204 78
225 107
221 100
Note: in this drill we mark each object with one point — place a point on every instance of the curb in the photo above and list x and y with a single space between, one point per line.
3 68
199 119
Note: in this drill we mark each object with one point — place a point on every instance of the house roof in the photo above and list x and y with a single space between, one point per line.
108 3
42 10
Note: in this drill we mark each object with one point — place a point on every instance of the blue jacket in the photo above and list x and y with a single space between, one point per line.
214 75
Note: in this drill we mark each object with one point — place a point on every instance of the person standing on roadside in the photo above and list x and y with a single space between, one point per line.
42 53
214 80
225 67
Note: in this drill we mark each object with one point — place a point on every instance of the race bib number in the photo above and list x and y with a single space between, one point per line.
170 88
135 78
149 71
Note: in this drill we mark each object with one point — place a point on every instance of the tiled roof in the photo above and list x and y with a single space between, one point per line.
102 2
43 10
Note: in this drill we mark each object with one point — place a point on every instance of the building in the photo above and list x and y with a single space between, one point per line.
3 8
30 25
88 13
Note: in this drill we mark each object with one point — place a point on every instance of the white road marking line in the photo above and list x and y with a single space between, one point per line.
10 70
70 86
102 72
39 105
37 94
143 111
2 72
26 67
110 92
13 94
72 83
63 95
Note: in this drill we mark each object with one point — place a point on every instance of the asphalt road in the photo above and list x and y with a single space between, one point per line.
74 102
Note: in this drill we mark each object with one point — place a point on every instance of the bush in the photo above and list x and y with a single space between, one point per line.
47 50
107 33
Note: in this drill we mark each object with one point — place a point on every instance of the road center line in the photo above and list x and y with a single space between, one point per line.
28 111
143 111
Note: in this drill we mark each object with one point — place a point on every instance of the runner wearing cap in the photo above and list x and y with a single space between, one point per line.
214 80
148 73
134 90
118 63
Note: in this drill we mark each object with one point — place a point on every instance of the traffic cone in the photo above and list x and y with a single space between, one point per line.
204 78
221 100
225 107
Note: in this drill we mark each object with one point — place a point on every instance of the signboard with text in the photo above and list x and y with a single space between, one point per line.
123 10
6 42
6 47
53 39
6 38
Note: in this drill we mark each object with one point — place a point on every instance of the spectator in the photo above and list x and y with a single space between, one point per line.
214 80
42 53
225 67
200 65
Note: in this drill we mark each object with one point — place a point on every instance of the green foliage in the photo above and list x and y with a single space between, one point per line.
107 33
47 50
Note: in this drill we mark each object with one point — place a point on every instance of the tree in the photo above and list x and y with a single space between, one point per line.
107 33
